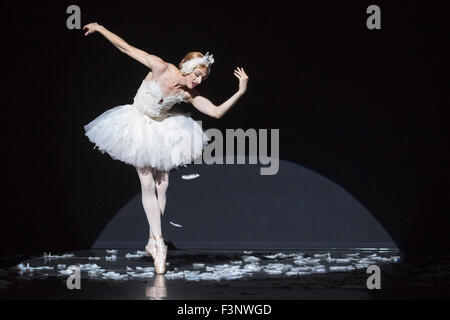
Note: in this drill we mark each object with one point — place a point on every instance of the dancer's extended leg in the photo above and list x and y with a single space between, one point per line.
149 200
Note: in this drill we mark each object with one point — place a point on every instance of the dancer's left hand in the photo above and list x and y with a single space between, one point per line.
243 79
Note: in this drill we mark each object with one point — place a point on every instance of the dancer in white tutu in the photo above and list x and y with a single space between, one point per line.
150 135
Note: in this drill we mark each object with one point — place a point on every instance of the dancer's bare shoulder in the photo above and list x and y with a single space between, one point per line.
169 73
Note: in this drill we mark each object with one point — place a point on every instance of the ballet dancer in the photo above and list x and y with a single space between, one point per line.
150 134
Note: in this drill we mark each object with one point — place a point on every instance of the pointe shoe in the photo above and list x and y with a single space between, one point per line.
150 248
160 257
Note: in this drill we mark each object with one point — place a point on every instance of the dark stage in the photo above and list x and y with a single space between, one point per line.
344 162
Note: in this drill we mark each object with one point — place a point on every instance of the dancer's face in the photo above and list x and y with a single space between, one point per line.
196 77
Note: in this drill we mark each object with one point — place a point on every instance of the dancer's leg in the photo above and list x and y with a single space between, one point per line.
149 200
162 183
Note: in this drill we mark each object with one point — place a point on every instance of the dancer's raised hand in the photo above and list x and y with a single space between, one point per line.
91 28
243 79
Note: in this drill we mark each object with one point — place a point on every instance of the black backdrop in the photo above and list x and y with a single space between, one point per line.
367 109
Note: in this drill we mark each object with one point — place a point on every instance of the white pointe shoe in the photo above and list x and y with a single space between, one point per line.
160 256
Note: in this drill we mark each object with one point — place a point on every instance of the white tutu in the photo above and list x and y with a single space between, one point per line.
146 133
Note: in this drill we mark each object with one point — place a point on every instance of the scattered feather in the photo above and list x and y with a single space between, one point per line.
276 256
147 269
343 268
175 224
66 272
342 260
352 254
114 275
27 269
141 275
89 267
250 259
138 254
325 255
190 176
49 256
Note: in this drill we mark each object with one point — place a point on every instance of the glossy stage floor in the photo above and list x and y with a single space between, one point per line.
225 274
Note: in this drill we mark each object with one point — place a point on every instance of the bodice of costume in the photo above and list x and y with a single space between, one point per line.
150 101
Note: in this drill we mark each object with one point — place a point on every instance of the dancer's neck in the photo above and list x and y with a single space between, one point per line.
181 82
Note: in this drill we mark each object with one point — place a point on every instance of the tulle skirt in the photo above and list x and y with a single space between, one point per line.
132 137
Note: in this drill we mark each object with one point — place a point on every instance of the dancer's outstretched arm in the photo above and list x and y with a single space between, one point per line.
156 64
205 106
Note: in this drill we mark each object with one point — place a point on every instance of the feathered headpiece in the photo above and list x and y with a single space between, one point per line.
190 65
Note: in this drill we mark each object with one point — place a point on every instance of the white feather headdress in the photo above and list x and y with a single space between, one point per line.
190 65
